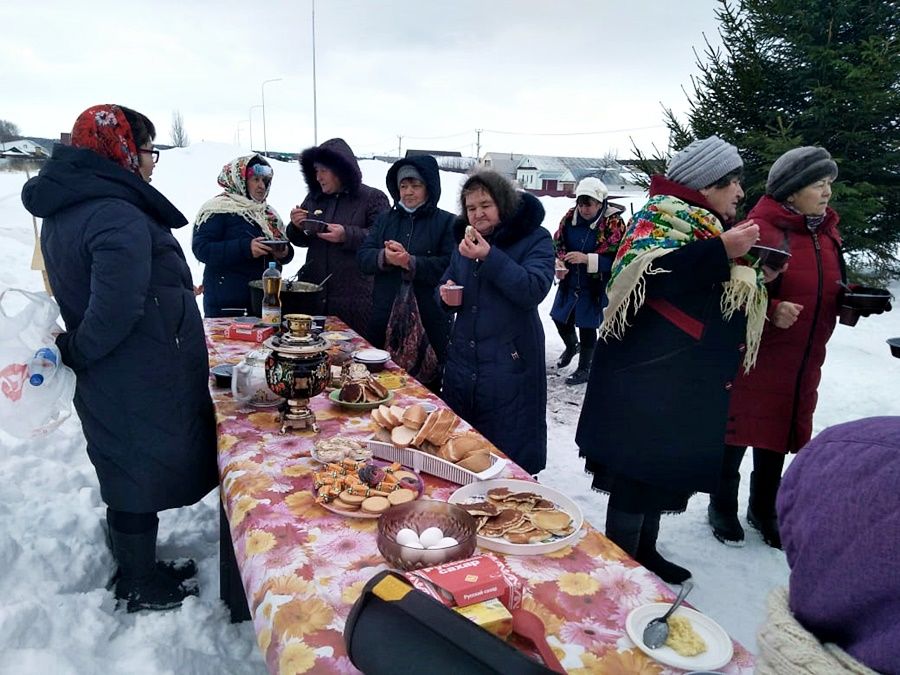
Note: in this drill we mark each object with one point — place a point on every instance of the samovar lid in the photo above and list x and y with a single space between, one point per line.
298 338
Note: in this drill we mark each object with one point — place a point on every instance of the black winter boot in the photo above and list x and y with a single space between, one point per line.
141 585
723 503
764 482
624 529
583 372
572 348
649 557
181 569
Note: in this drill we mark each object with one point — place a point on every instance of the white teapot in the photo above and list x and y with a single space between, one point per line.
248 381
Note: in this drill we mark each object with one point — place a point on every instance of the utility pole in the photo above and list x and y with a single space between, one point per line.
315 106
478 144
250 117
399 142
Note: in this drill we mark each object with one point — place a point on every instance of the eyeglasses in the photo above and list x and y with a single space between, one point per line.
152 153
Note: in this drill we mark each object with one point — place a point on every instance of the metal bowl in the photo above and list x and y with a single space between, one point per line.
867 298
419 515
895 346
773 258
222 374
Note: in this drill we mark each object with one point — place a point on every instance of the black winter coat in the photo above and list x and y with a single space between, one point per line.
427 234
223 244
348 294
495 377
657 400
134 335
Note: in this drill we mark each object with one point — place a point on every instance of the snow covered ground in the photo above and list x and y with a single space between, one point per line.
56 615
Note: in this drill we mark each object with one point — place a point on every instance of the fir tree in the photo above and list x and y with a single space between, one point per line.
810 72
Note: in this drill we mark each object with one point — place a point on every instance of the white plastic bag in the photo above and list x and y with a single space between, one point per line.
28 411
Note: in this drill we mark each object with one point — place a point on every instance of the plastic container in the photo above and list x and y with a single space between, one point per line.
271 300
43 365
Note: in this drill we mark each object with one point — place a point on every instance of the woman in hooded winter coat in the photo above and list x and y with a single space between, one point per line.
495 376
230 235
839 511
683 310
338 198
408 250
133 336
586 244
772 406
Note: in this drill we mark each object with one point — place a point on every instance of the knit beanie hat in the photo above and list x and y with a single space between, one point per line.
408 171
703 162
592 187
796 169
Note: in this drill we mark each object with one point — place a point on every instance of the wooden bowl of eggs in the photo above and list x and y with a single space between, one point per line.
424 533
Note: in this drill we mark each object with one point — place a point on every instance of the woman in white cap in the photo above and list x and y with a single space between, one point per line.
683 313
585 244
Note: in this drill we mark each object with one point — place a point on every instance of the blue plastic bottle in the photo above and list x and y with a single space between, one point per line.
43 365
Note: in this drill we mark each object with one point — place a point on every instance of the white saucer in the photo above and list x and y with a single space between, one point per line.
719 648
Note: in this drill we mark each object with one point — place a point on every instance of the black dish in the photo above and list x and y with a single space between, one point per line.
895 346
222 373
867 298
773 258
274 243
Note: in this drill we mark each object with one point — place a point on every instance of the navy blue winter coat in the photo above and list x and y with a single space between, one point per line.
223 244
495 376
427 234
133 336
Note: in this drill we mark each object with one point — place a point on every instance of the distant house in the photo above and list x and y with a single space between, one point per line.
34 148
448 160
504 163
558 176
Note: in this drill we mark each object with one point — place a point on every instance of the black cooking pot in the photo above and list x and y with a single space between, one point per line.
297 297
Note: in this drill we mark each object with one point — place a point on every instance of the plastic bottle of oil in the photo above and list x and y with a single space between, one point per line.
271 302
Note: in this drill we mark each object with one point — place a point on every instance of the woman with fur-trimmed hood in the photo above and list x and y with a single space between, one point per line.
495 376
340 211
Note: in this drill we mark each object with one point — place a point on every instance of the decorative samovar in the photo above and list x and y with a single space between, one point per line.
297 369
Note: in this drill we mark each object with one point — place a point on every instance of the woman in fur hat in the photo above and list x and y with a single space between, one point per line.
230 235
772 406
684 311
585 243
495 377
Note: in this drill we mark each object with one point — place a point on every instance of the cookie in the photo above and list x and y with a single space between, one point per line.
375 505
401 496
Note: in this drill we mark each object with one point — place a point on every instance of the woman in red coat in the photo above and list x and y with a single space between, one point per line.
772 406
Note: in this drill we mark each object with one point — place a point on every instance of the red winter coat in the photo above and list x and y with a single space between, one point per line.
773 406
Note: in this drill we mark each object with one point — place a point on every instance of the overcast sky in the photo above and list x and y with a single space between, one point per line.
431 71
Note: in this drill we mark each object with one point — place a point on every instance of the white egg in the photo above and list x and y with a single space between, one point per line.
446 542
412 553
406 537
431 536
433 556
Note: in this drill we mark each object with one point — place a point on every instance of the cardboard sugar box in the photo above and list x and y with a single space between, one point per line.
237 331
466 582
490 615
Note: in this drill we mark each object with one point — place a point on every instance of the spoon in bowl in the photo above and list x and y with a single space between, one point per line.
657 631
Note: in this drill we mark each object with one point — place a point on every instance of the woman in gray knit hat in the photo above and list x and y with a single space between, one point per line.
772 406
683 313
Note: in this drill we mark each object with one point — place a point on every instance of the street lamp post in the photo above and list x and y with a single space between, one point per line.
315 107
250 117
263 89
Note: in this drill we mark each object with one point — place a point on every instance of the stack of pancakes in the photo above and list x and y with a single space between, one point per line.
519 517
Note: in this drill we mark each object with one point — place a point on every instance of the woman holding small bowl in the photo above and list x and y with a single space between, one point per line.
501 271
772 406
237 234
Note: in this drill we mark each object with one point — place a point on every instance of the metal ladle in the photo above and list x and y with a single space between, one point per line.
657 631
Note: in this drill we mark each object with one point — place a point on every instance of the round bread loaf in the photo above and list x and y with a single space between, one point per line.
476 462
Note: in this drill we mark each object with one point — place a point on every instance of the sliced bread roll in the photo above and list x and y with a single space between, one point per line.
477 461
401 436
414 417
422 436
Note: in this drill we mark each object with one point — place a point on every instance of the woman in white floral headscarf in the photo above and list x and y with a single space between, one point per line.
234 234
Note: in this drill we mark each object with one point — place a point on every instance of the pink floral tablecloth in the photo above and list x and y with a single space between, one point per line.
303 567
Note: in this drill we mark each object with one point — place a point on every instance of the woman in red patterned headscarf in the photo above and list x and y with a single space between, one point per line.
133 336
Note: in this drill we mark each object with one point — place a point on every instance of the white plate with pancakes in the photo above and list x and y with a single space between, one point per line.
719 648
543 519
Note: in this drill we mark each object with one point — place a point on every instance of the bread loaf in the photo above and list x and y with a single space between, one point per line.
477 461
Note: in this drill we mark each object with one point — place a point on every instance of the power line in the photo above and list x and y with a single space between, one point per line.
437 138
572 133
